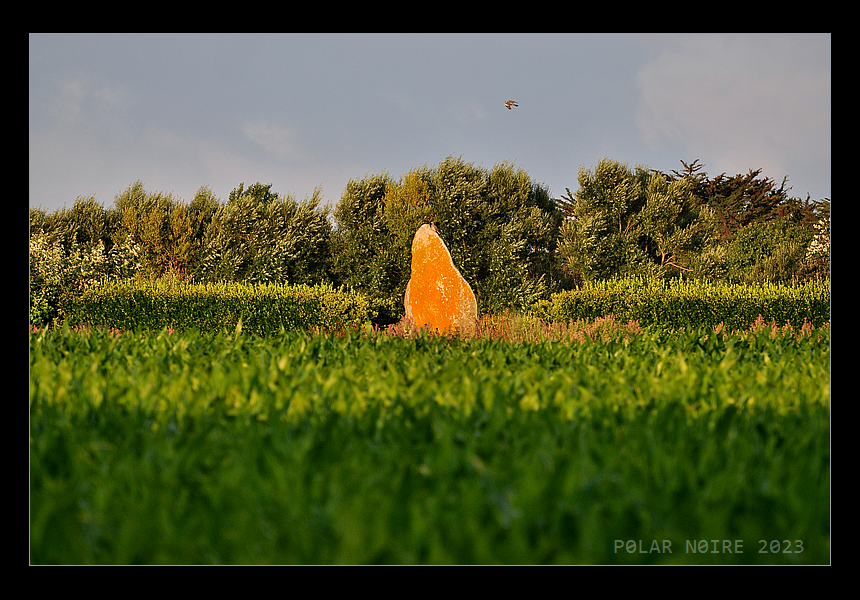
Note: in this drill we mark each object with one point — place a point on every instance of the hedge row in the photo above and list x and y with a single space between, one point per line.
267 308
674 304
263 309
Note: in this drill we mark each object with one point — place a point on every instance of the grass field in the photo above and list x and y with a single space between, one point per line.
633 447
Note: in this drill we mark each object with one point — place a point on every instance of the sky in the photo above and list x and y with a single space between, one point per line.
302 111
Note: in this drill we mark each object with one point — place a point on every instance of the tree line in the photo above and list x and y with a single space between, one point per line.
512 241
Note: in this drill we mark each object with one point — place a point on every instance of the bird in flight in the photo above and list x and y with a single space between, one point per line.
510 103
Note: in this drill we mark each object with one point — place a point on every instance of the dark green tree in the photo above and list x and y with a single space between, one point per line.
761 231
600 237
513 241
674 231
625 222
262 237
365 255
741 200
772 250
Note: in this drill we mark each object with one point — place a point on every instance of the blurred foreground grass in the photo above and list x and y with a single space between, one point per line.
217 449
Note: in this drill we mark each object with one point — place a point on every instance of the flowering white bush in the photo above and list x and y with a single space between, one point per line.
54 272
820 245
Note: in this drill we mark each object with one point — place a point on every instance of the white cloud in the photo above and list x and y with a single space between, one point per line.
78 96
278 141
748 101
109 96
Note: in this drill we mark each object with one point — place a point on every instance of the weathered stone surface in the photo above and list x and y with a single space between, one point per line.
437 295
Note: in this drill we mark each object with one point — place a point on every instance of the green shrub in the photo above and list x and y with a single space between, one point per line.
676 303
262 309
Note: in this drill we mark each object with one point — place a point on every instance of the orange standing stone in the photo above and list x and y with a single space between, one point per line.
437 296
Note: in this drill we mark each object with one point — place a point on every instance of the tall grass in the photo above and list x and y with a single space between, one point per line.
527 328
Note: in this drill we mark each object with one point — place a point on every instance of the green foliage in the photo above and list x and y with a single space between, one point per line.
261 237
624 222
408 204
231 449
598 238
768 251
261 309
508 244
676 304
365 256
672 229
